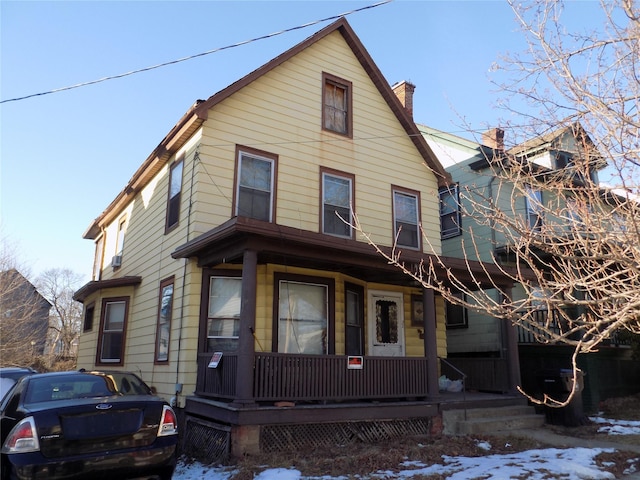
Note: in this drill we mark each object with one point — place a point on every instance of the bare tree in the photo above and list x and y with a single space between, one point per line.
24 313
58 286
573 250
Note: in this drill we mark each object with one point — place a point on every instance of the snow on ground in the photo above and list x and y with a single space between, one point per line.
617 427
573 463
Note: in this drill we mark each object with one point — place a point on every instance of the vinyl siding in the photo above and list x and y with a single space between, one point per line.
279 113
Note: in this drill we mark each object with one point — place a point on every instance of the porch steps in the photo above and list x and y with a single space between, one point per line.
490 420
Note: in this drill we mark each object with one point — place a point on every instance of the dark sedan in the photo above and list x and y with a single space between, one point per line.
77 425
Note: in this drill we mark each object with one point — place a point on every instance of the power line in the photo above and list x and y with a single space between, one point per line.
191 57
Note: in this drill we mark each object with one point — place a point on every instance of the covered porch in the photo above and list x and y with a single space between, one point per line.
250 388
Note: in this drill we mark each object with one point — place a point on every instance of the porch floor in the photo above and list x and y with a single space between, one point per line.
234 414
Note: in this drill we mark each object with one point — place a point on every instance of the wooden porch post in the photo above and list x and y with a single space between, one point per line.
246 345
430 342
511 343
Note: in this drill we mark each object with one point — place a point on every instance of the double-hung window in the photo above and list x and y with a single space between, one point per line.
406 214
533 199
255 176
336 105
223 317
112 330
456 315
337 201
175 193
163 329
303 316
450 225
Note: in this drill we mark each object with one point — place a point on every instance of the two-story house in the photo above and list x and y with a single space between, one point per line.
481 179
229 275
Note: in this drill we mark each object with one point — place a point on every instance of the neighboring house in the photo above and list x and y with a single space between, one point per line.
473 337
227 273
24 320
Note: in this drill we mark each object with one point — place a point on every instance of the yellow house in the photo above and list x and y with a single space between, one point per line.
229 276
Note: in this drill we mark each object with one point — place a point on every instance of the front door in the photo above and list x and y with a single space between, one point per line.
386 324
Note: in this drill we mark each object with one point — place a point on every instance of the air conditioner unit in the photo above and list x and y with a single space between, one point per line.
116 261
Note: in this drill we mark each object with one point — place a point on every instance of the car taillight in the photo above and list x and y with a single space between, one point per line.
168 423
23 438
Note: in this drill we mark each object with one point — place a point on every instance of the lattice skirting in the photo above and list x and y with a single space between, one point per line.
205 441
275 438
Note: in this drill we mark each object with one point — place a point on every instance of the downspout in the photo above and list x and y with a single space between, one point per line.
178 389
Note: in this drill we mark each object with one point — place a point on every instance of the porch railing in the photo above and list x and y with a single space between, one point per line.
551 320
292 377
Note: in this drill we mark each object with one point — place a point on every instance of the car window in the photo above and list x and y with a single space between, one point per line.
47 389
5 385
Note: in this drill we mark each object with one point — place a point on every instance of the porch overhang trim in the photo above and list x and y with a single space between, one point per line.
89 288
227 242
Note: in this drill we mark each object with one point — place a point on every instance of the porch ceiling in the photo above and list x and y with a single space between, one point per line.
297 248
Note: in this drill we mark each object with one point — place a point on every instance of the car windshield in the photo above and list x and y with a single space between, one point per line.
83 385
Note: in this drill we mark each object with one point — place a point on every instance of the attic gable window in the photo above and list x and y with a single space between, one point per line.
406 215
255 180
450 218
336 105
175 192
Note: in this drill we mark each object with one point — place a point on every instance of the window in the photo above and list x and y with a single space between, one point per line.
112 330
534 208
302 316
89 312
98 258
456 315
337 200
354 319
450 218
120 239
405 218
223 318
255 185
175 190
163 329
336 105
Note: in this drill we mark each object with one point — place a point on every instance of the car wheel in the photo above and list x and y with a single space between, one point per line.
8 473
166 475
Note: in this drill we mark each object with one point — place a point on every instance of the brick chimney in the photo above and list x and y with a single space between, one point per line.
404 92
494 138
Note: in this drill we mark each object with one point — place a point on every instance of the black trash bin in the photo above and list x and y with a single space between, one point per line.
558 384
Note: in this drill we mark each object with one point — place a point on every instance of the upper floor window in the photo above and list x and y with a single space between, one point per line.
450 218
255 180
337 200
163 329
406 214
113 324
336 105
122 223
98 258
533 198
175 191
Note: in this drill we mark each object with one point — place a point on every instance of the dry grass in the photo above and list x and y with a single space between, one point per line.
363 459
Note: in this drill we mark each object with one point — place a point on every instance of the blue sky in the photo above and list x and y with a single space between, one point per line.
65 156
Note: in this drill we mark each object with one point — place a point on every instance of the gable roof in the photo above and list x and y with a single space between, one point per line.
198 113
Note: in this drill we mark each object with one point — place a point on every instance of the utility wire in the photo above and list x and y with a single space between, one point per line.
184 59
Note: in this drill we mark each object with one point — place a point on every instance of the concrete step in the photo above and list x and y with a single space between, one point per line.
490 420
